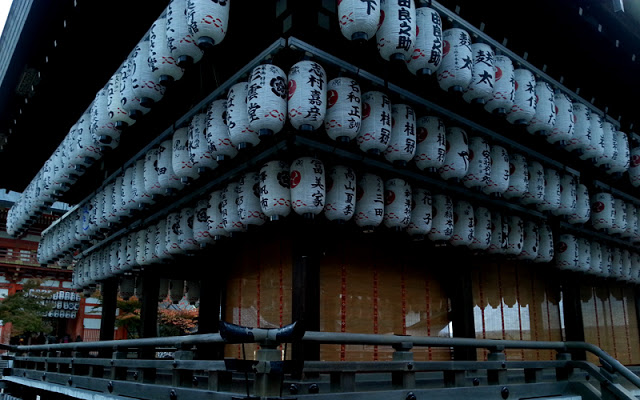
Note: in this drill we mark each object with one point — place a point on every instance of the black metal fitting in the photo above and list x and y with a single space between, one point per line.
476 382
411 396
504 392
314 388
294 389
173 395
110 386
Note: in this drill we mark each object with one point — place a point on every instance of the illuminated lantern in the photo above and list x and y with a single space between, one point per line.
427 52
229 209
631 229
463 224
420 224
621 159
176 290
584 255
545 252
144 83
431 147
127 286
193 291
596 267
568 195
634 167
552 190
515 235
307 184
402 144
182 45
369 201
267 99
151 184
249 200
275 194
581 130
217 133
616 270
103 201
307 95
456 161
140 193
524 100
482 229
619 219
582 211
375 130
499 234
341 194
183 165
130 102
480 89
100 126
215 217
530 243
518 177
344 109
166 175
610 145
626 268
545 118
163 291
201 223
162 63
198 144
397 204
479 170
358 20
595 148
454 72
504 88
241 134
185 234
396 35
207 21
567 254
161 241
564 126
442 214
119 115
172 236
498 181
603 212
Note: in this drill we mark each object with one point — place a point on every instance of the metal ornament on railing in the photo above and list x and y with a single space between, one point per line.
375 130
341 194
397 32
344 109
208 21
524 101
442 214
182 45
267 99
483 77
369 201
463 224
454 72
432 143
421 213
275 194
307 183
307 96
397 204
358 20
504 87
427 53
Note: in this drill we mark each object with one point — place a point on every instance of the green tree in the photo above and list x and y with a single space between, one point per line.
26 308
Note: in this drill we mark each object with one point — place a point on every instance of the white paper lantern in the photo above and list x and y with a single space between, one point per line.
111 260
397 33
112 203
249 200
595 148
172 236
603 212
240 132
531 241
616 270
307 184
150 245
131 248
454 72
483 77
207 21
580 140
546 250
596 266
582 211
431 143
636 236
151 184
183 165
515 238
341 194
568 195
518 177
499 234
358 20
201 233
100 126
369 201
344 109
456 160
584 255
564 126
442 214
463 224
621 160
397 204
198 144
536 188
267 99
229 209
215 216
634 167
504 88
482 229
552 190
144 83
182 45
217 133
610 145
427 53
275 194
307 95
141 239
140 193
185 236
128 199
161 241
524 101
402 144
631 229
619 219
627 266
567 255
118 114
166 175
479 171
607 262
117 205
161 61
420 224
498 181
375 130
545 118
130 102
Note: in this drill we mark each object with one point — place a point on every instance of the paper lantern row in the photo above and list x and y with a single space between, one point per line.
68 314
615 216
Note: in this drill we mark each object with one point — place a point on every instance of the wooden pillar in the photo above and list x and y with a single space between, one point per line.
459 287
109 305
149 308
572 309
